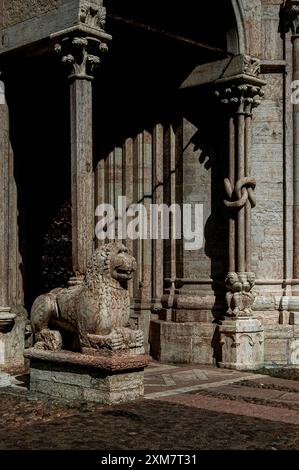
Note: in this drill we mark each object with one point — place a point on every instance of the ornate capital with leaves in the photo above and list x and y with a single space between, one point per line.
81 55
242 98
93 15
289 16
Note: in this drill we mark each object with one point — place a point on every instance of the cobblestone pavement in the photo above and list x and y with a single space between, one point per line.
185 408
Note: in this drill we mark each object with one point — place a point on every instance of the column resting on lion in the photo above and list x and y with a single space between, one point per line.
96 313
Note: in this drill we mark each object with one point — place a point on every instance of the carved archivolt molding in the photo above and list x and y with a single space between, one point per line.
82 55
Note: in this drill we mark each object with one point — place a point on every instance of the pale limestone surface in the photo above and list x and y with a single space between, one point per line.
242 342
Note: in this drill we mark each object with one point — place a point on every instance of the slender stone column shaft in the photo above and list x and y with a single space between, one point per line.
248 144
296 162
232 228
241 213
4 202
240 95
82 173
81 55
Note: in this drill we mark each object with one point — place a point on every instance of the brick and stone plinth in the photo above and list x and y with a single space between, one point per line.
242 342
103 377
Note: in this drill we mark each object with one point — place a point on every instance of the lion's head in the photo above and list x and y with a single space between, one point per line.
111 261
231 279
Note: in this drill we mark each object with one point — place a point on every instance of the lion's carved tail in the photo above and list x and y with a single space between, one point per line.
43 310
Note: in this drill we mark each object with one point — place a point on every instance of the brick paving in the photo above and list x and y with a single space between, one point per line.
185 407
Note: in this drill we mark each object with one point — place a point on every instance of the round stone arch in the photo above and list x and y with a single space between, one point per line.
248 14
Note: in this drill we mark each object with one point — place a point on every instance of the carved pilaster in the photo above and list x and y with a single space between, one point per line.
240 95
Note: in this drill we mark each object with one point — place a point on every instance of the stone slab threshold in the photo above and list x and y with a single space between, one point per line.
194 388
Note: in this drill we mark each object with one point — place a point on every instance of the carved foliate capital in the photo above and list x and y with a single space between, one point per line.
93 15
81 55
252 66
289 16
240 296
241 98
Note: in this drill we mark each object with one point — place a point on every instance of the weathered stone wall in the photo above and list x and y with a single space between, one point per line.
268 156
267 168
197 183
16 11
252 11
203 173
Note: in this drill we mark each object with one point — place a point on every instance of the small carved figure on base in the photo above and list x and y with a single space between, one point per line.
240 297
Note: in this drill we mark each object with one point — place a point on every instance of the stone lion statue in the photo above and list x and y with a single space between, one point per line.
95 312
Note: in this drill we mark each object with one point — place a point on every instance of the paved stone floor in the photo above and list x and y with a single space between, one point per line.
185 408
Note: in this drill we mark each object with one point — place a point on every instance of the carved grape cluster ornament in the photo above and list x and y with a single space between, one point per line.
82 55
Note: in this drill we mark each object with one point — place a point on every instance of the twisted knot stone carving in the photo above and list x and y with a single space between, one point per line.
96 313
81 55
244 191
240 296
242 98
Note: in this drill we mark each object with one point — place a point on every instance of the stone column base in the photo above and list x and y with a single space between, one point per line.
242 342
105 378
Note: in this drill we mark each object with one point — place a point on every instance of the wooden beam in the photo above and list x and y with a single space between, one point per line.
167 34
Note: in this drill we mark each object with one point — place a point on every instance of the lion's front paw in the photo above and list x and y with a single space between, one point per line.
137 339
115 341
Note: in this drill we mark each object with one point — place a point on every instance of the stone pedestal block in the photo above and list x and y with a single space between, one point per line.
105 378
184 343
242 342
